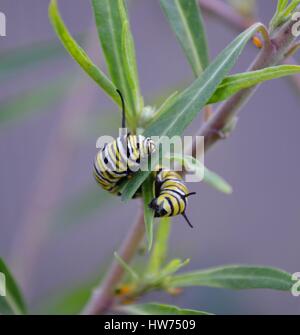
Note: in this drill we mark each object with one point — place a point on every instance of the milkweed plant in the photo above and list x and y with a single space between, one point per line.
125 283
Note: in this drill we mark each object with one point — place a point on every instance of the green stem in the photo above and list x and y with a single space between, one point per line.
103 297
273 53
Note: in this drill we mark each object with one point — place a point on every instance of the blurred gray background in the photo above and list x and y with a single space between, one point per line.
58 229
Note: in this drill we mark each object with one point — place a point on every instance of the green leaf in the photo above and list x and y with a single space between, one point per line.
232 84
164 107
217 182
160 309
148 195
126 267
79 54
291 7
131 66
281 5
186 21
193 165
283 12
13 302
236 277
173 266
117 44
160 248
167 103
69 301
72 304
190 102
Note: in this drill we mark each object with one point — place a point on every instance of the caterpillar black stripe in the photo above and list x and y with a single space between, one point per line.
170 195
121 157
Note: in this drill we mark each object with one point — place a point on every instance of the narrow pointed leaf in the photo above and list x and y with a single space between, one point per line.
148 196
173 266
160 309
185 19
191 101
130 65
70 300
164 107
233 84
236 277
167 103
126 267
12 302
283 12
217 182
291 7
211 178
113 27
281 5
79 54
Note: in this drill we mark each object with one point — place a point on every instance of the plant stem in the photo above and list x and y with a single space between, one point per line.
229 15
270 55
103 296
54 167
273 52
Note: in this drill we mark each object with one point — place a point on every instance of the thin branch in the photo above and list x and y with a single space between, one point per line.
268 56
54 167
224 11
103 296
230 16
294 48
273 53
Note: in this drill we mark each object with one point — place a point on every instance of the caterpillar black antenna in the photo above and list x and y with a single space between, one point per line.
123 109
187 220
189 194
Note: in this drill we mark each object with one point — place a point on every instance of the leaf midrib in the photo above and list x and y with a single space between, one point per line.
116 54
175 120
232 80
191 39
214 280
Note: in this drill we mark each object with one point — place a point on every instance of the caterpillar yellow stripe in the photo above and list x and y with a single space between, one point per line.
171 195
121 157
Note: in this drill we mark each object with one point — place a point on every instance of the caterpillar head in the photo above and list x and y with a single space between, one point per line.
158 208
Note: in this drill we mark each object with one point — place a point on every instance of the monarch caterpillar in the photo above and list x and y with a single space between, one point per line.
121 157
170 195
